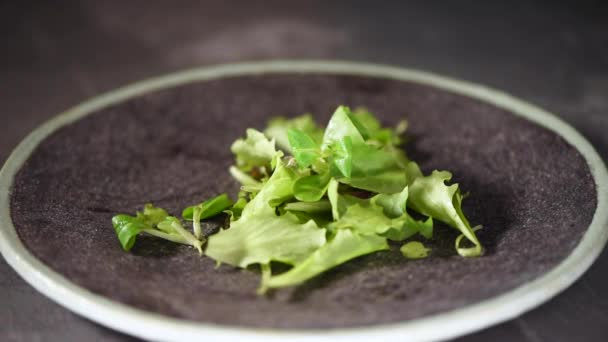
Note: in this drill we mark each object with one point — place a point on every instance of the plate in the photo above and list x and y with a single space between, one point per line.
536 185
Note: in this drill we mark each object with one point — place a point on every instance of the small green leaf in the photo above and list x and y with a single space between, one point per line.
414 250
340 125
311 188
127 228
152 221
343 155
209 208
204 210
394 204
278 127
304 148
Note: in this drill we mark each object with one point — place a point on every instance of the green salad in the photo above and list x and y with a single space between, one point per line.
314 198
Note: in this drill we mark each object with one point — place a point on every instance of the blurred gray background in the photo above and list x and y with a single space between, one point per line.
55 54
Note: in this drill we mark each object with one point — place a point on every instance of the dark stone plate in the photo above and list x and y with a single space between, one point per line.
531 190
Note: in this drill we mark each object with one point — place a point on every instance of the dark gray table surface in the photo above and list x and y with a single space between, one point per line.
56 54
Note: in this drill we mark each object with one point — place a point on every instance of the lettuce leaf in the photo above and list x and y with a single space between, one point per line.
393 205
204 210
277 189
364 219
344 246
406 227
278 127
265 237
260 235
430 196
254 150
311 188
152 221
342 156
376 133
371 168
209 208
370 217
340 125
304 148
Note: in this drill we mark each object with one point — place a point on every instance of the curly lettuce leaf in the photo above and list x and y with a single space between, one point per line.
370 217
430 196
277 189
308 153
278 127
344 246
254 150
265 237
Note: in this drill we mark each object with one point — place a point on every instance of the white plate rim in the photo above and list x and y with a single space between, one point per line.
451 324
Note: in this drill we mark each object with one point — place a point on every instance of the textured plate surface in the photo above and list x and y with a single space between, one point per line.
533 191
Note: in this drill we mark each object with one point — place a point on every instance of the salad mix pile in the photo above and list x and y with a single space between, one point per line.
314 198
